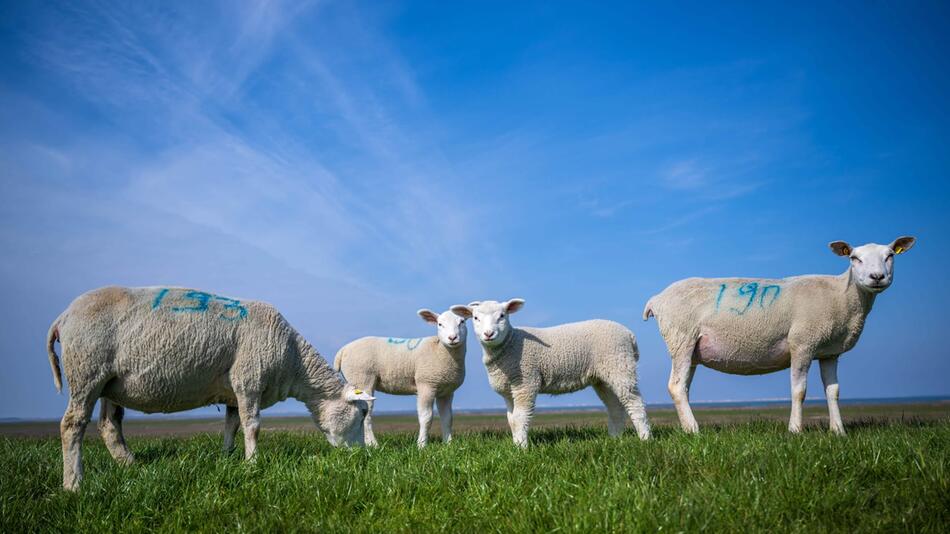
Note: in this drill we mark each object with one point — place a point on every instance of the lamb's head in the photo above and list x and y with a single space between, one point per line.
451 327
490 319
341 417
872 265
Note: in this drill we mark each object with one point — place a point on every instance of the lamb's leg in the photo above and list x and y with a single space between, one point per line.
829 377
509 411
799 373
424 400
232 420
369 438
616 418
249 411
681 377
629 395
110 428
521 417
445 415
71 430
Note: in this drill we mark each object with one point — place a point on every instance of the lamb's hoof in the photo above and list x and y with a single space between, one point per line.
795 429
839 431
126 460
72 486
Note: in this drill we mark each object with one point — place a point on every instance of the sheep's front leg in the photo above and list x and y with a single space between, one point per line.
521 417
369 438
829 377
800 364
424 400
249 411
232 420
445 415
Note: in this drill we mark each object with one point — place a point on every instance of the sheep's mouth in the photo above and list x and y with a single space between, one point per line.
877 288
455 344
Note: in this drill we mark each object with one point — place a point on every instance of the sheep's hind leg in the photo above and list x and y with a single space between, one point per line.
232 421
71 430
616 418
801 361
445 415
110 428
829 377
424 400
681 377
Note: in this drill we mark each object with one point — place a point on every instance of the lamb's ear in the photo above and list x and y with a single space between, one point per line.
353 394
903 244
462 311
840 248
474 303
514 305
428 316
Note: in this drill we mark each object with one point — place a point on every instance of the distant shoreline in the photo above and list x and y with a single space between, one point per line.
731 404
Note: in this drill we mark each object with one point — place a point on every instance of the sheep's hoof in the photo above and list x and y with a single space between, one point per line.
126 460
71 486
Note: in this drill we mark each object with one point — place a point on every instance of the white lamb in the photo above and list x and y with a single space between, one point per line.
523 362
172 349
749 326
431 368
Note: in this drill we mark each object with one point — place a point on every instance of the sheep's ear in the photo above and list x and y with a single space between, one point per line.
903 244
358 395
428 316
514 305
462 311
840 248
474 303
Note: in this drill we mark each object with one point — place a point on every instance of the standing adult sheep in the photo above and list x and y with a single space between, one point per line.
749 326
523 362
167 350
430 368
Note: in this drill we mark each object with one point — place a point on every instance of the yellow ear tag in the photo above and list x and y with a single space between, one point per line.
358 391
898 250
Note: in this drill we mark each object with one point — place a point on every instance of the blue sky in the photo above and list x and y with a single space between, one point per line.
353 162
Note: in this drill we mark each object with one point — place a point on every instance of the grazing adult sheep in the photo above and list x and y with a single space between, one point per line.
158 349
750 326
431 368
523 362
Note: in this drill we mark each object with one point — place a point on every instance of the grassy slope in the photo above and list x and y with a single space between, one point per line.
883 476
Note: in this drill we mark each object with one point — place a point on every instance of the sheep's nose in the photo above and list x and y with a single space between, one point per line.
453 338
490 334
877 276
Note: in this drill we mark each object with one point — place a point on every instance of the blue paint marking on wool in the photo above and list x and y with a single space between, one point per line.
159 296
233 310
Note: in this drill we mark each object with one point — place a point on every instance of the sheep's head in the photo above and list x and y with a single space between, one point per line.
451 327
490 319
872 265
341 418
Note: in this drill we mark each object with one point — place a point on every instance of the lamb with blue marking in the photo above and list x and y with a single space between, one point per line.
431 368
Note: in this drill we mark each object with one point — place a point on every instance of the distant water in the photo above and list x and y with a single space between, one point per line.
204 414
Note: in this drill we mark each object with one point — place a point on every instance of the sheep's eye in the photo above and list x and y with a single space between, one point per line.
475 319
440 325
502 316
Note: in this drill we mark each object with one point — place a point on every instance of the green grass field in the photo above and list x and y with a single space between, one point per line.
743 472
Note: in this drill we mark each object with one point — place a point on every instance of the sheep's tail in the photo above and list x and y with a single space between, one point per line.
338 361
648 309
51 339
